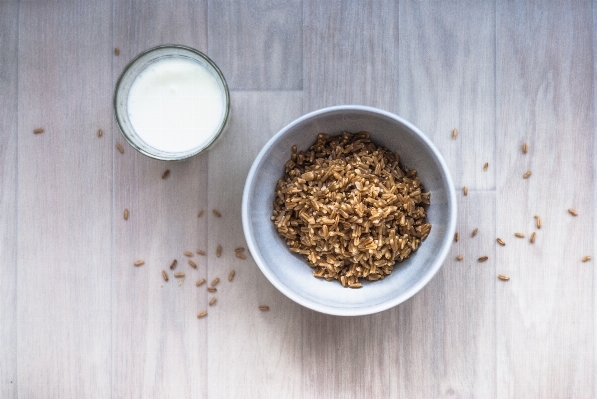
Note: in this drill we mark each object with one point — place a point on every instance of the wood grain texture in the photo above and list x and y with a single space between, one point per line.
159 347
258 43
444 338
64 195
545 83
9 18
351 53
447 81
252 354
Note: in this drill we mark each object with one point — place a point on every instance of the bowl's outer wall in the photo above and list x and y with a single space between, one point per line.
289 272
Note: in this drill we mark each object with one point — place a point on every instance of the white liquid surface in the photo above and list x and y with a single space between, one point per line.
176 105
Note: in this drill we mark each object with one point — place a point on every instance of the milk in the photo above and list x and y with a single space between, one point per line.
176 105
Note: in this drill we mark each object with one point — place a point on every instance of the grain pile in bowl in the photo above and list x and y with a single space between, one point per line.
350 208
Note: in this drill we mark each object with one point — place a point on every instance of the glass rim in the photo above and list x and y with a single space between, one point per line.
198 150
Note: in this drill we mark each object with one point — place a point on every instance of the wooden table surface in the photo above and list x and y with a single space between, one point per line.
78 320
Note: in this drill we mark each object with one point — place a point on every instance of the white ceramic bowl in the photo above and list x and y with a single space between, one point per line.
289 272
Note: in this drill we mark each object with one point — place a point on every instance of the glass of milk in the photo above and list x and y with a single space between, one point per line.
171 102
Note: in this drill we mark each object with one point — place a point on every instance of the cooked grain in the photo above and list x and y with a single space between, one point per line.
586 258
178 274
212 301
219 251
500 241
525 148
139 263
263 307
350 208
532 240
239 249
538 221
126 214
456 237
119 147
483 258
474 233
200 252
173 264
519 235
572 212
212 289
240 255
486 166
202 314
454 133
231 275
116 51
165 275
199 282
215 281
503 277
459 257
526 175
465 190
166 173
217 213
100 133
38 130
200 213
192 264
188 253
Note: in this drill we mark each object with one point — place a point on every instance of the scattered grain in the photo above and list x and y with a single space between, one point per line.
486 166
465 190
538 221
173 264
239 249
166 173
474 233
215 281
200 252
212 289
165 275
503 277
240 255
179 274
200 213
219 251
200 282
188 253
139 263
119 147
526 175
126 214
500 241
100 133
231 275
181 281
202 314
263 307
456 237
525 148
217 213
532 240
192 264
483 258
212 301
586 258
572 212
459 257
38 130
454 133
519 235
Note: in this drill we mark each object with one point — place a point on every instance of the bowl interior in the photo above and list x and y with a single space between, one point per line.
289 272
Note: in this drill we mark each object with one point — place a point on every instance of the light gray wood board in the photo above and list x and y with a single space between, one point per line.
443 339
545 98
9 17
159 347
258 43
447 80
350 53
64 194
252 353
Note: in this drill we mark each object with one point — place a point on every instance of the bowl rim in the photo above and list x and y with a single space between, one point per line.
365 310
